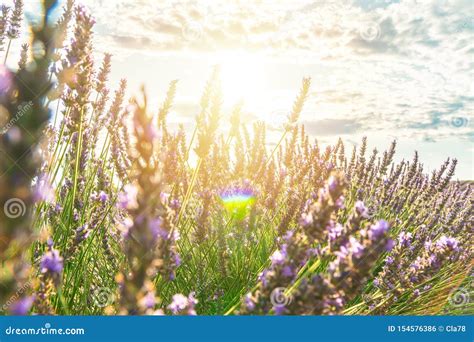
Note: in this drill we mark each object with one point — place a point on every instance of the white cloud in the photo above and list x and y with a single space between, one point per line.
404 68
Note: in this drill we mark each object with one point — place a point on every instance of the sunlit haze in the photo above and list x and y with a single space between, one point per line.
386 69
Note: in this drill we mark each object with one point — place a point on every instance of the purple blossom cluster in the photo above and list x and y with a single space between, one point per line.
150 236
182 305
359 248
130 212
22 92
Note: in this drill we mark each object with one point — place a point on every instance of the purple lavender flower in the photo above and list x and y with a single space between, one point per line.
378 229
148 132
103 197
164 197
52 262
58 209
341 254
404 239
287 271
335 231
179 303
332 184
262 277
157 230
355 247
447 242
175 204
278 257
340 202
389 245
177 259
183 305
149 301
306 219
248 302
361 209
279 310
81 234
389 260
125 226
288 235
43 190
22 306
192 303
128 198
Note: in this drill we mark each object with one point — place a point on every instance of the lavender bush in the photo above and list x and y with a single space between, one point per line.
105 212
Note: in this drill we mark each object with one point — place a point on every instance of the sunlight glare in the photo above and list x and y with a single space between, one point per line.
243 77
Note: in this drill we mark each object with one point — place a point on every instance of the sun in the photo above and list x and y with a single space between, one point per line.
243 77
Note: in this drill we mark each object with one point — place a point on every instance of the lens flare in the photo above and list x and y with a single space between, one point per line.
238 201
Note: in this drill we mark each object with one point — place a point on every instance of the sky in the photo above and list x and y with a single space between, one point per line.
380 68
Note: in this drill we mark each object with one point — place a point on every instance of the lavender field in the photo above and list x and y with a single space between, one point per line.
108 207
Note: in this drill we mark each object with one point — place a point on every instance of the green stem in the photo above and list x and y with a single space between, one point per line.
276 147
76 166
229 139
188 192
6 53
190 144
56 114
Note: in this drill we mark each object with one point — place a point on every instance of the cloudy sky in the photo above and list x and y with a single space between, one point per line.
382 68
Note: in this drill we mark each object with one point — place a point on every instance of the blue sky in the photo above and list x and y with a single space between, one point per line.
385 69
